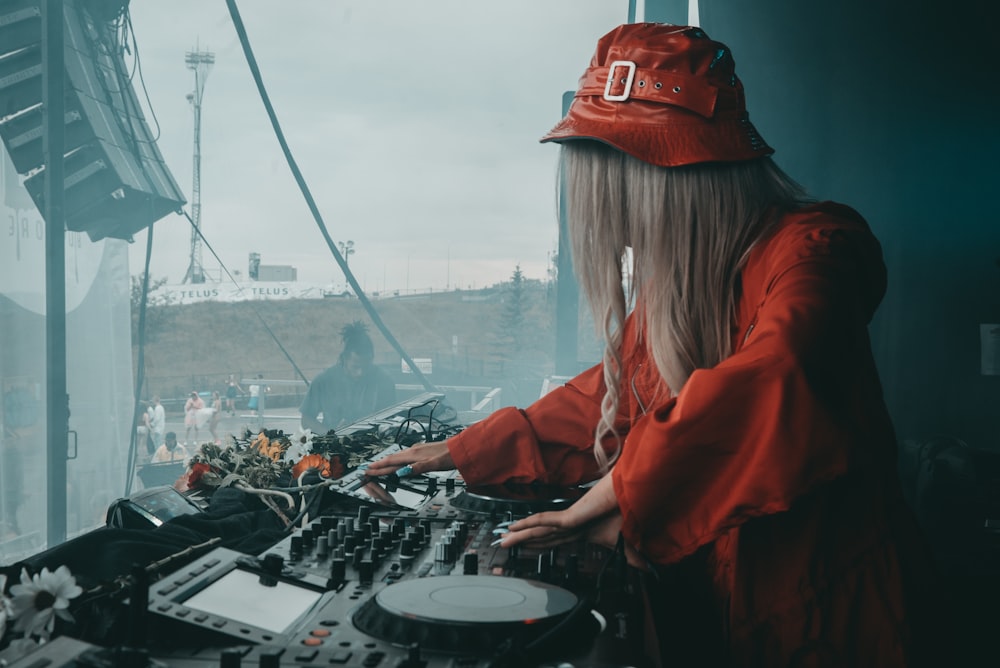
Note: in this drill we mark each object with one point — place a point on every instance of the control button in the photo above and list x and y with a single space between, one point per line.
270 658
219 623
212 562
273 563
200 618
183 612
169 589
373 659
320 633
341 656
312 642
306 655
230 658
184 579
329 622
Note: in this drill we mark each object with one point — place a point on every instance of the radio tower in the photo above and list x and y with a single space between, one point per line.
200 62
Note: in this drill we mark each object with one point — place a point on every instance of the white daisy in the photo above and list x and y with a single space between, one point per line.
39 598
301 445
303 436
295 452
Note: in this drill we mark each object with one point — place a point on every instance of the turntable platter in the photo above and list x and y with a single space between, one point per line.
516 499
462 613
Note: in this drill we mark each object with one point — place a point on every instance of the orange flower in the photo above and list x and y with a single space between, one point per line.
271 450
318 462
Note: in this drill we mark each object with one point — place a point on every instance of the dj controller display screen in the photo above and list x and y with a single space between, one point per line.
242 596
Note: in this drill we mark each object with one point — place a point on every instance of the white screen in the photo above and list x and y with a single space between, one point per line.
240 596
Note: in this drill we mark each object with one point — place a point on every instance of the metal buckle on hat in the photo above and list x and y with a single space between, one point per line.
611 80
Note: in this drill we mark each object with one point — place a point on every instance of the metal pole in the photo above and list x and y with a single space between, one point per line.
57 398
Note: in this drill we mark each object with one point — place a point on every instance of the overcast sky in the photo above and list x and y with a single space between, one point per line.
415 125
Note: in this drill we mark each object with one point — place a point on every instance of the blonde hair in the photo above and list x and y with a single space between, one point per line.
690 230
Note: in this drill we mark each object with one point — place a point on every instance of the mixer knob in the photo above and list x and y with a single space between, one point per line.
406 548
323 546
317 527
331 537
230 658
341 530
439 552
271 658
295 547
273 563
366 571
432 486
470 563
350 542
328 522
364 512
338 570
398 528
307 539
359 553
449 485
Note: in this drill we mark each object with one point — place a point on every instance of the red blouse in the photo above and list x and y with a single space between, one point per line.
779 461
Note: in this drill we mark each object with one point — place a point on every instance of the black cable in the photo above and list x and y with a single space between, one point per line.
255 71
254 308
142 79
140 372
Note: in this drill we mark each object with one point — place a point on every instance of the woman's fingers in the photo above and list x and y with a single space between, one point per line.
419 458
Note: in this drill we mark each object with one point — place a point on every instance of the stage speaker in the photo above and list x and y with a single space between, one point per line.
116 182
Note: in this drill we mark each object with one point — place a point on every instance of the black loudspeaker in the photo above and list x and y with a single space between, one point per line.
116 182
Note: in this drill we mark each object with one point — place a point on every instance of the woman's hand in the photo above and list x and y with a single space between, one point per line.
595 517
562 526
420 458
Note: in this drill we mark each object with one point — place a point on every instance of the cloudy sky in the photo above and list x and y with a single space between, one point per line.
415 125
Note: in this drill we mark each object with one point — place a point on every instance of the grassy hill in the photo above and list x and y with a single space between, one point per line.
470 338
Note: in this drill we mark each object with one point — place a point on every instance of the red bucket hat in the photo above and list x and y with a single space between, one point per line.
665 94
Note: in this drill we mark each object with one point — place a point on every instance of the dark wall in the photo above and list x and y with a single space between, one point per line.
891 106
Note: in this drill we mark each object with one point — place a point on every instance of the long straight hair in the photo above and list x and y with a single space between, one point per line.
690 230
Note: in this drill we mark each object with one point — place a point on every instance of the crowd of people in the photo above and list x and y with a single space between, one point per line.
348 390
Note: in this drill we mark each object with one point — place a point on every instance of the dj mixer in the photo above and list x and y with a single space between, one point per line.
416 583
395 573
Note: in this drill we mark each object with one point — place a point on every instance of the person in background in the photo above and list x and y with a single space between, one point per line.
158 421
192 406
735 433
352 388
144 430
232 390
254 389
170 451
213 420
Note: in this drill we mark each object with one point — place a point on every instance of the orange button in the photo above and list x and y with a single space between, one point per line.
312 642
320 633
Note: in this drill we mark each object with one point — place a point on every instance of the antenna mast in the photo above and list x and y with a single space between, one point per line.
200 62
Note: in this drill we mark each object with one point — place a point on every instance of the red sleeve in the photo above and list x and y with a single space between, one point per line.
551 441
790 409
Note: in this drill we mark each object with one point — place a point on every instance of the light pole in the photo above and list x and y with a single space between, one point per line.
346 249
200 62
